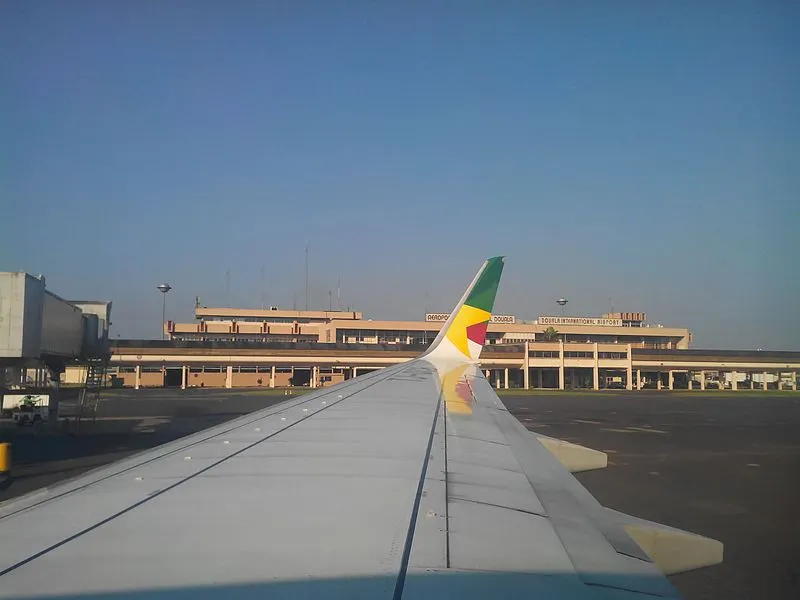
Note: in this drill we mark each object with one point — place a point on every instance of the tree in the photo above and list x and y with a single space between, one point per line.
550 335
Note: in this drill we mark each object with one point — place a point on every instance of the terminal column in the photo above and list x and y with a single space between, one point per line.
671 380
272 377
561 364
659 385
183 377
629 374
526 369
596 369
734 382
702 380
314 373
638 379
752 381
229 376
138 376
764 382
689 380
794 381
505 377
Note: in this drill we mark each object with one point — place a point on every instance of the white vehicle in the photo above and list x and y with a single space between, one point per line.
27 409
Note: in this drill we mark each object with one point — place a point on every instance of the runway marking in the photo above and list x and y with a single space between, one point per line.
588 421
635 430
648 429
753 465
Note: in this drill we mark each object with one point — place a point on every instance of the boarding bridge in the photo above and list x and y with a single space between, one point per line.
40 335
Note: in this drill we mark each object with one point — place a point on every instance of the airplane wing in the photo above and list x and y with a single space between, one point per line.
409 482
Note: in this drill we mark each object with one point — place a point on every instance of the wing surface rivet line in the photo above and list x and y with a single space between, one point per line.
401 575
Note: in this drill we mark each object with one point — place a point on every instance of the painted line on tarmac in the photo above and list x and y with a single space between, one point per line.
635 430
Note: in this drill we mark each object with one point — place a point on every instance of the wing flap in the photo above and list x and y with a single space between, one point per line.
574 457
673 550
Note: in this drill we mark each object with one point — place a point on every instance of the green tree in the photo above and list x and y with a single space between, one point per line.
550 334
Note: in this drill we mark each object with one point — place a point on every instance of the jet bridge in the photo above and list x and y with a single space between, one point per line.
42 333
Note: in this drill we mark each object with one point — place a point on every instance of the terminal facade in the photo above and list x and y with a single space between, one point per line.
281 348
350 327
532 365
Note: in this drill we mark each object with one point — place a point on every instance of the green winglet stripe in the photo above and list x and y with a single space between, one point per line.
485 290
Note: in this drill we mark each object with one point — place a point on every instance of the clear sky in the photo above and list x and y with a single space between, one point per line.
645 154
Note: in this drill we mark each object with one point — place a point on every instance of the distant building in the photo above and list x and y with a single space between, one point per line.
350 327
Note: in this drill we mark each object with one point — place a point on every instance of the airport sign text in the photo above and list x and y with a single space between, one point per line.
442 317
589 321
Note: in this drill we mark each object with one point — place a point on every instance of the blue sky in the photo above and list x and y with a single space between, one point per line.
640 153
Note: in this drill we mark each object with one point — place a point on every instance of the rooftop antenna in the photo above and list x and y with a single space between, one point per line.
425 329
263 290
306 274
228 286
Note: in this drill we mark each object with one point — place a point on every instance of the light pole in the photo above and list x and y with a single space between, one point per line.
163 288
562 302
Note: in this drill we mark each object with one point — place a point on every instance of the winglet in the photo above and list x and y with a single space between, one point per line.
464 333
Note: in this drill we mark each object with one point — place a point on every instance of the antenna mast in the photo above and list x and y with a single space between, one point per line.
306 274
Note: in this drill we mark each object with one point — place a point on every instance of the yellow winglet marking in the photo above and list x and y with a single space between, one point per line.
467 316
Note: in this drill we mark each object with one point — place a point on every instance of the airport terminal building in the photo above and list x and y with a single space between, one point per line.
350 327
54 340
229 347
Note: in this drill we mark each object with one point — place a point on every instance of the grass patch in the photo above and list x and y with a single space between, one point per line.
555 392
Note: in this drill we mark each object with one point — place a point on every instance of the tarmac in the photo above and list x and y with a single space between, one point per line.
720 464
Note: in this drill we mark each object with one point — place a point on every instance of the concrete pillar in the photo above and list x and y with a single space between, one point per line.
596 369
638 379
355 372
659 385
702 380
561 364
272 377
764 382
734 383
229 376
488 374
752 382
793 385
671 380
183 377
314 376
138 380
497 380
629 374
689 380
779 384
526 369
505 379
